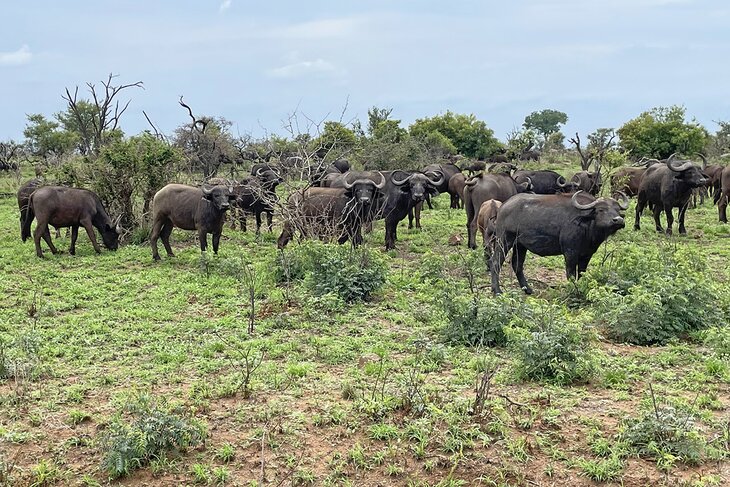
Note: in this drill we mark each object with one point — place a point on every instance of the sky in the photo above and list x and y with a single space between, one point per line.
258 63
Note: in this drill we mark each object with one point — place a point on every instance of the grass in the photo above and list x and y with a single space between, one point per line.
358 393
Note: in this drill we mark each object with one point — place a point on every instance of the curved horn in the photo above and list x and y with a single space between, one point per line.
471 181
346 183
704 160
678 168
582 206
529 182
623 203
575 178
649 162
561 182
439 174
382 180
400 182
206 192
259 171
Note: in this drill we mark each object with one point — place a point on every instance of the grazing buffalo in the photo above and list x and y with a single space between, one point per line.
456 186
24 193
257 195
667 186
570 225
722 196
486 220
485 187
589 182
403 191
627 180
498 158
59 206
544 182
530 155
189 208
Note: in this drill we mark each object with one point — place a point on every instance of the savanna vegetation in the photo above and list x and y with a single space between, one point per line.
327 365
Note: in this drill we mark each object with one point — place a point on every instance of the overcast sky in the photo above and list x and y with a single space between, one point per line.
254 62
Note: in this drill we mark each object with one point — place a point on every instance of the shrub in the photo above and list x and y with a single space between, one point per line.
480 321
153 432
652 295
718 340
664 431
550 346
352 274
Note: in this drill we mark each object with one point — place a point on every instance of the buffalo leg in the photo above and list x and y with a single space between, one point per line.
639 209
670 218
270 220
47 238
471 225
156 227
165 234
74 236
286 234
417 212
390 229
40 232
203 237
258 222
501 248
242 221
216 241
722 206
682 212
92 235
454 201
518 265
657 210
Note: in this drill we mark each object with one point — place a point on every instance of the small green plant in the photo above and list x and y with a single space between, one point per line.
200 473
551 346
352 274
665 435
478 320
226 453
152 432
717 339
603 469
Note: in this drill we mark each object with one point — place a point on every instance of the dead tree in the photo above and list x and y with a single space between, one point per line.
105 116
586 157
10 152
205 149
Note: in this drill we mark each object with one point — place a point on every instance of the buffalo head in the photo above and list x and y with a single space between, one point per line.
364 190
418 184
219 196
607 213
687 172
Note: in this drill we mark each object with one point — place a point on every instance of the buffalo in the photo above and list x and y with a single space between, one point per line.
403 192
627 180
544 182
485 187
456 186
486 220
189 208
24 193
59 206
257 195
722 196
570 225
668 186
589 182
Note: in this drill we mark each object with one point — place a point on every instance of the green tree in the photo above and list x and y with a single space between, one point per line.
545 122
470 136
336 137
719 143
45 137
661 132
376 116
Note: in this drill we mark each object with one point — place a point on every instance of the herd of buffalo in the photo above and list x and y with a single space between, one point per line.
540 211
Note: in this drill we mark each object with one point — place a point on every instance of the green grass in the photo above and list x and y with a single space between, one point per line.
362 393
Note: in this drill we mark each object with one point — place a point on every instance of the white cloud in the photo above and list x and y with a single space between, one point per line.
21 56
225 5
304 68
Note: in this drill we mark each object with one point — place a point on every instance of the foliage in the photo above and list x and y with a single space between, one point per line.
376 116
550 346
478 321
352 274
664 431
470 136
336 137
647 296
719 142
205 150
718 340
46 138
545 122
153 432
519 141
660 132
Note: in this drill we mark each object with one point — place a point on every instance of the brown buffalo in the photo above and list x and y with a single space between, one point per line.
486 219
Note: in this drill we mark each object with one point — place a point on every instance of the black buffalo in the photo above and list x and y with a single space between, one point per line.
570 225
589 182
189 208
59 206
257 195
668 186
485 187
544 182
627 180
723 195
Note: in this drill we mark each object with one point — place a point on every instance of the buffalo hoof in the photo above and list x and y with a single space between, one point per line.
527 289
637 227
682 231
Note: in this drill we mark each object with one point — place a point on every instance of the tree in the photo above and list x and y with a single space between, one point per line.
46 138
336 138
660 132
470 136
376 116
519 141
545 122
719 143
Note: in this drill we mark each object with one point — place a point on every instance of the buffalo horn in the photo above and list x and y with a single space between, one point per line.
380 185
678 168
704 160
561 182
582 206
400 182
472 181
206 192
439 175
259 171
623 202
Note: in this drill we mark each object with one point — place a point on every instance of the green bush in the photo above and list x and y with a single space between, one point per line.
153 432
651 295
718 340
551 346
478 322
664 431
